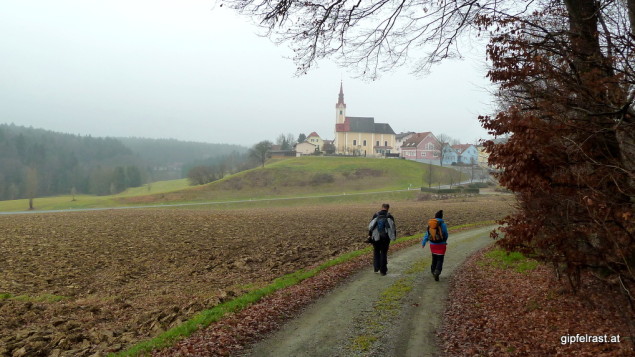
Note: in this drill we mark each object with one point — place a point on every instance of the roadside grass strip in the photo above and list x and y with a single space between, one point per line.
389 304
501 259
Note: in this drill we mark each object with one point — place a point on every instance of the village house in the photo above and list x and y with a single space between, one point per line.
305 148
401 138
361 135
316 140
422 147
467 154
449 155
278 152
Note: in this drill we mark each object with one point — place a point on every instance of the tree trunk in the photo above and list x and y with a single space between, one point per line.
626 131
594 73
583 24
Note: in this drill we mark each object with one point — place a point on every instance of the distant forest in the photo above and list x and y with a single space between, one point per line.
37 162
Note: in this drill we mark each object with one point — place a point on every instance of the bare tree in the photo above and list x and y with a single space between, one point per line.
291 139
372 36
31 185
443 140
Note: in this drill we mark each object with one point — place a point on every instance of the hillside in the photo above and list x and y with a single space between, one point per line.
311 176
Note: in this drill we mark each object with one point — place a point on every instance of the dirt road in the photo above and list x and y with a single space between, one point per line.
374 315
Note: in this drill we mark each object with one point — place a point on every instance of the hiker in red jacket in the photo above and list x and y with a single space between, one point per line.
437 235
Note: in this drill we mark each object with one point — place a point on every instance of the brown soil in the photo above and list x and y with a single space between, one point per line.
127 275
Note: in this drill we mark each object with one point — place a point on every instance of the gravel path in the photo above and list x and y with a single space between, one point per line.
358 319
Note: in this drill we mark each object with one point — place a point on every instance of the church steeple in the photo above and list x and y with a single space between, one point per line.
340 107
340 99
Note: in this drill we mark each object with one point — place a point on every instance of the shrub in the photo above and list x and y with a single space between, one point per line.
321 178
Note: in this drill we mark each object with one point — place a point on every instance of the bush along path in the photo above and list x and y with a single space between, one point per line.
230 334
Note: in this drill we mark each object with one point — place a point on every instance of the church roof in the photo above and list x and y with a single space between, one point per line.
363 125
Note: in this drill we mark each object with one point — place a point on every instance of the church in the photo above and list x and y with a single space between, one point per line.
361 135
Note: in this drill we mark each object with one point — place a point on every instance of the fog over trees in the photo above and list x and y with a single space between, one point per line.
36 162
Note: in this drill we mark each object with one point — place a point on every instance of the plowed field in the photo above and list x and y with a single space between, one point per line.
76 284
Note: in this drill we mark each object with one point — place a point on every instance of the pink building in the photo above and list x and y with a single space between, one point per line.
421 146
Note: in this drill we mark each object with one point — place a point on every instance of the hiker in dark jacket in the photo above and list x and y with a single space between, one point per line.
437 248
381 231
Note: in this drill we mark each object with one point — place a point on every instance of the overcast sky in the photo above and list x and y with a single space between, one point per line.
193 71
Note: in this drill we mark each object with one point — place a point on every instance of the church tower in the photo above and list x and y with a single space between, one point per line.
340 107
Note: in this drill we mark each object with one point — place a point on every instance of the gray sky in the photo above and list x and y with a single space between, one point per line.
192 71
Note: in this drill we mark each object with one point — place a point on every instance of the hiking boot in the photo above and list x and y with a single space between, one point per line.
436 275
383 274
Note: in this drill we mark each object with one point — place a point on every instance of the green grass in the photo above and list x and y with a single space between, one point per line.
363 343
156 187
502 259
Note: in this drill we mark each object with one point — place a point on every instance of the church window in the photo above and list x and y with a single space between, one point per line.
340 112
354 142
385 143
377 143
364 142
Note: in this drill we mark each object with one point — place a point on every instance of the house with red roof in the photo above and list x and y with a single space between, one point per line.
316 140
424 147
401 138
